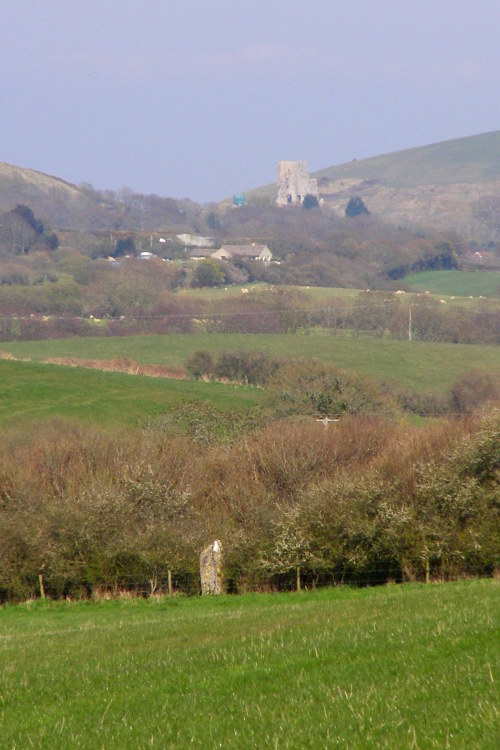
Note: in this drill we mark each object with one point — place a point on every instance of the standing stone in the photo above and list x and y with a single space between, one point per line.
211 569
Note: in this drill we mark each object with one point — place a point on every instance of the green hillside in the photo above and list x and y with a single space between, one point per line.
473 159
452 185
469 160
32 392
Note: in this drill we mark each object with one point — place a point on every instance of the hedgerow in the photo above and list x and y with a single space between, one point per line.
363 500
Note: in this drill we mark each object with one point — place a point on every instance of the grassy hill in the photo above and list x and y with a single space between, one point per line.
449 185
473 159
400 666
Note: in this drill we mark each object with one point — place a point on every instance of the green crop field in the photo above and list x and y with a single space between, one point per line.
458 283
417 365
31 391
394 667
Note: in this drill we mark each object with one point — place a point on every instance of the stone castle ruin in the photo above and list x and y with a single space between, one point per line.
294 183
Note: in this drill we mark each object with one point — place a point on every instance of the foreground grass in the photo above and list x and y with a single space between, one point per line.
31 391
394 667
417 365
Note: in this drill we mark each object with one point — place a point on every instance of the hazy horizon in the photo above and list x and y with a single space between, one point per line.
202 101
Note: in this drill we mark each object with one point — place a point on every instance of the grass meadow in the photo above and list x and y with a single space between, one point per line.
34 392
461 285
417 365
315 293
458 283
410 666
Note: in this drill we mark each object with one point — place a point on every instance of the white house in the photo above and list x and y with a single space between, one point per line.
246 252
194 240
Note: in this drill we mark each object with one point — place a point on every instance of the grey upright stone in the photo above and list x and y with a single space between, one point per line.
211 569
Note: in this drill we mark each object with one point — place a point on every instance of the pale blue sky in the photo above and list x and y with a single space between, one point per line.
202 99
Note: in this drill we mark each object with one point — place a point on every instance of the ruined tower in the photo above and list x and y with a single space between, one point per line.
294 183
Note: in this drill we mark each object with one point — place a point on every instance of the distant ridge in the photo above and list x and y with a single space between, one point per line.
60 202
35 178
80 207
453 184
471 159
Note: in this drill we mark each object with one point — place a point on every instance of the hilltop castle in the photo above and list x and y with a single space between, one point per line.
294 183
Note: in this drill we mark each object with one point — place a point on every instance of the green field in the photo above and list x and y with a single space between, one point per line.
316 293
457 283
30 391
417 365
394 667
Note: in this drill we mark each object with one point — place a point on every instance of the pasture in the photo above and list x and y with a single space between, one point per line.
416 366
457 283
462 285
32 392
400 666
314 293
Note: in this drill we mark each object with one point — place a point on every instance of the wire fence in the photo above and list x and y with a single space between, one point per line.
198 315
185 583
412 322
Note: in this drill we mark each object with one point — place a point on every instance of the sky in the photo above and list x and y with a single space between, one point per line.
201 98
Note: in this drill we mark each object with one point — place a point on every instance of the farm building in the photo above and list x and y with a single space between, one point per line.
245 252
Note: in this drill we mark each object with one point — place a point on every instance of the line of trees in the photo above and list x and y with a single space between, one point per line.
58 314
364 500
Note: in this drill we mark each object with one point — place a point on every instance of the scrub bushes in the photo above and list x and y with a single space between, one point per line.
364 500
